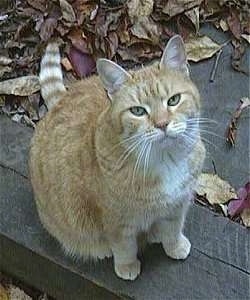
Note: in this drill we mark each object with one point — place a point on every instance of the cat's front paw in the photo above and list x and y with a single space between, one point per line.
128 271
180 250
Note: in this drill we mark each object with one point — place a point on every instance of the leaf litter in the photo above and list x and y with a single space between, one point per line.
219 196
233 126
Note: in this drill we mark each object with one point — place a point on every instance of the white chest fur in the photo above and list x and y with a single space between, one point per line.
175 174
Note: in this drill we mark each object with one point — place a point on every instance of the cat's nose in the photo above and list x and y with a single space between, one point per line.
162 125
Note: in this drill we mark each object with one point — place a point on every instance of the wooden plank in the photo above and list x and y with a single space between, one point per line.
161 278
219 238
48 276
14 145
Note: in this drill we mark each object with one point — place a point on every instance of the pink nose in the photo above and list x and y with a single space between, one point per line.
162 125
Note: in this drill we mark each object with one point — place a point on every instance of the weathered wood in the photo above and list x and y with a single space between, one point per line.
205 272
14 145
48 276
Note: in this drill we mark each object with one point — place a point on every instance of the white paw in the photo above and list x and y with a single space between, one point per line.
180 250
128 271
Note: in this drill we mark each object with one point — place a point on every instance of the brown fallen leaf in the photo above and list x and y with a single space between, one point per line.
139 52
4 69
83 64
215 189
246 37
232 128
112 42
238 52
199 48
223 25
66 64
146 29
245 216
233 23
38 4
22 86
4 295
139 8
78 41
47 28
175 7
194 17
68 13
17 294
5 61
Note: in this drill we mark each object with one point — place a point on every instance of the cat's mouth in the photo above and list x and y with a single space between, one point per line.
164 138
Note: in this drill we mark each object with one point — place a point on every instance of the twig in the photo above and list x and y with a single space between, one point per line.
218 55
215 171
232 128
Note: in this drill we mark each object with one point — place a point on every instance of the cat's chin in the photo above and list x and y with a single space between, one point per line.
167 141
174 143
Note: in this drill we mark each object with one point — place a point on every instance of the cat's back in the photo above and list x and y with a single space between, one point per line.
75 114
62 147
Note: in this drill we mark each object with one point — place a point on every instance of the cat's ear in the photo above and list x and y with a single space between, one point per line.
174 56
111 75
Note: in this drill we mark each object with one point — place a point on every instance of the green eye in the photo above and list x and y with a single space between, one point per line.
174 100
138 111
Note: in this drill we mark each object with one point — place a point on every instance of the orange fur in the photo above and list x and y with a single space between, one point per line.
84 199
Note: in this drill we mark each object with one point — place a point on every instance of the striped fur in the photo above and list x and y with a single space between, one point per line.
51 77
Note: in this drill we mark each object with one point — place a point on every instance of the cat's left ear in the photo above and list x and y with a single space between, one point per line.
111 75
174 56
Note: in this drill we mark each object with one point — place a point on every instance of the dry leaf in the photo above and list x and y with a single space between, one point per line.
66 64
224 209
38 4
194 17
83 64
5 61
3 17
4 295
246 37
238 52
47 28
138 52
245 216
68 13
233 23
175 7
146 29
112 41
17 294
223 25
139 8
4 69
78 41
232 128
199 48
17 118
215 189
22 86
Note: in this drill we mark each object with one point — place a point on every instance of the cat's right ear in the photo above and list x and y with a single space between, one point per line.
111 75
174 56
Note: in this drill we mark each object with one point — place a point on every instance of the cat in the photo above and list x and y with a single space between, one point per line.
118 155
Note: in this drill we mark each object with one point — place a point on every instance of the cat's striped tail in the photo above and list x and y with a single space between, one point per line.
51 77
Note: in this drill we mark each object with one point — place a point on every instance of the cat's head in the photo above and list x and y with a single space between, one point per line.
158 102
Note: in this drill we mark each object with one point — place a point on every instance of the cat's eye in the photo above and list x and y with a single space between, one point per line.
174 100
138 111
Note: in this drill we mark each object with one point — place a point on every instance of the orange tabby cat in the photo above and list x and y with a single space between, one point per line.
118 154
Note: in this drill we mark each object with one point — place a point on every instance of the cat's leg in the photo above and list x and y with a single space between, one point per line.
168 231
124 248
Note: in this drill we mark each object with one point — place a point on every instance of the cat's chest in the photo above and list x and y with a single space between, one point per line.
174 177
